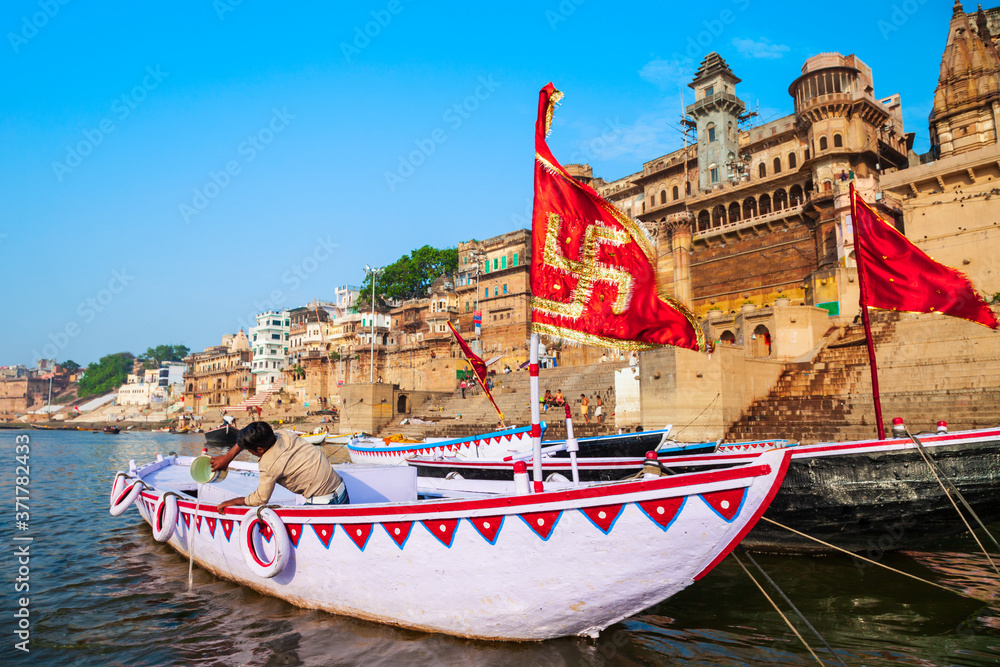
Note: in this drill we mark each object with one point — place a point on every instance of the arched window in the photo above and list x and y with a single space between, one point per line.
765 204
807 155
719 216
663 197
713 173
677 193
728 337
732 133
749 208
704 221
822 143
792 161
838 141
780 200
734 212
795 195
687 188
762 170
777 165
710 132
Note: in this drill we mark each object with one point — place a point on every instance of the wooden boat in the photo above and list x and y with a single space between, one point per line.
223 435
591 468
313 438
602 552
514 442
111 429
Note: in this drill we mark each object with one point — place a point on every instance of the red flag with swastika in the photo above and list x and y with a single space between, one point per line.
478 365
897 275
593 275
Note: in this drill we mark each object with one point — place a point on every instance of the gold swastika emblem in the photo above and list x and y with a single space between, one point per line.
587 270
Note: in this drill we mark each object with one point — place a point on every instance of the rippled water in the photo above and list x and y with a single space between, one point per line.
103 592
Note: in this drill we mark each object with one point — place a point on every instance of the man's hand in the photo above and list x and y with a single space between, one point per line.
221 509
222 462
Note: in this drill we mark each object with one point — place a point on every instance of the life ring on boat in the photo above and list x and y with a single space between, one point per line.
124 494
164 518
279 536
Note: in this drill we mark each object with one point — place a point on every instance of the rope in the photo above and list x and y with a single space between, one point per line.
792 605
777 609
868 560
934 470
699 415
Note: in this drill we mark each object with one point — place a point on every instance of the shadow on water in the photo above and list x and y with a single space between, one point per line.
105 593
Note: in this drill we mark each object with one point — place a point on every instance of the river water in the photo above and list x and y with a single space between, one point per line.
103 592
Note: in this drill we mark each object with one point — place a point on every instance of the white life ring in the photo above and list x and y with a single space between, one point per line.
282 545
164 518
125 495
118 484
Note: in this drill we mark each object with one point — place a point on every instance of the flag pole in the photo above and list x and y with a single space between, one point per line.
863 303
536 427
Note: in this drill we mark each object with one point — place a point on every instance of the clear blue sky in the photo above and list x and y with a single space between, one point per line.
116 113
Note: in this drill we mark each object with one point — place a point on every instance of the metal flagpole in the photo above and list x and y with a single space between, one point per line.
536 428
863 302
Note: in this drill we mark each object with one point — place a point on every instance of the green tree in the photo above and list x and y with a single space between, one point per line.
154 355
106 375
70 366
410 276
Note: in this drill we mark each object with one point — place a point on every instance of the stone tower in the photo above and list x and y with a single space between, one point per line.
967 100
716 111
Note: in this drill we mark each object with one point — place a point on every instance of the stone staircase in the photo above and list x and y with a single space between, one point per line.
512 396
930 368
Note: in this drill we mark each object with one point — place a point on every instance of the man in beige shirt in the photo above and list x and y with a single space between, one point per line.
285 459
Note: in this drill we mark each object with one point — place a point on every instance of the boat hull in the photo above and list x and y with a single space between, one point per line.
531 567
224 435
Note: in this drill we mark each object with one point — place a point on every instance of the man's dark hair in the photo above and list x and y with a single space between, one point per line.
256 435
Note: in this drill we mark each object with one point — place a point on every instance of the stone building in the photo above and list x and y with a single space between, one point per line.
219 377
950 195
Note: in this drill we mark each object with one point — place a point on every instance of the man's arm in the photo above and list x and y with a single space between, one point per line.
221 509
222 462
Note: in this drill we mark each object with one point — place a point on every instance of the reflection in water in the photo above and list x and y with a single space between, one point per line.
105 593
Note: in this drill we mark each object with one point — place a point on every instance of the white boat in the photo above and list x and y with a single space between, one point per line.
496 444
570 560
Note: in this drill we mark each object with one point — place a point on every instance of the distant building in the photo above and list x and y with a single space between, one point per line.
140 388
269 342
219 377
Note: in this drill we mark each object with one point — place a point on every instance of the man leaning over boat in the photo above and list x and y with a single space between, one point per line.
286 459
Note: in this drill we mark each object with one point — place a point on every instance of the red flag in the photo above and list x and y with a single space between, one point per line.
593 273
478 365
897 275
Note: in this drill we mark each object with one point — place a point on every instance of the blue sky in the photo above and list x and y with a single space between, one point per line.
169 170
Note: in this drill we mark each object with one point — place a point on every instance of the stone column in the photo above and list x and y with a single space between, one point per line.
680 226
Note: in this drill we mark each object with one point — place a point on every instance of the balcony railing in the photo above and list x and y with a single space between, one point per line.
749 222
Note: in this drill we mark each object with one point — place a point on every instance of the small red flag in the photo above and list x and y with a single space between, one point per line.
478 365
897 275
593 276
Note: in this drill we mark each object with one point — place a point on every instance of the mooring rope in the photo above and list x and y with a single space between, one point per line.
683 428
934 471
792 605
868 560
778 609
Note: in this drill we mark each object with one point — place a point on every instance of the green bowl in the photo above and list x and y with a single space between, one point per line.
201 470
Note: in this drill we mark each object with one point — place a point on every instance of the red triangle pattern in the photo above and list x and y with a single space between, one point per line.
265 531
488 526
227 528
443 529
210 521
604 516
197 523
187 519
662 512
727 503
541 522
359 533
324 532
398 531
294 533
